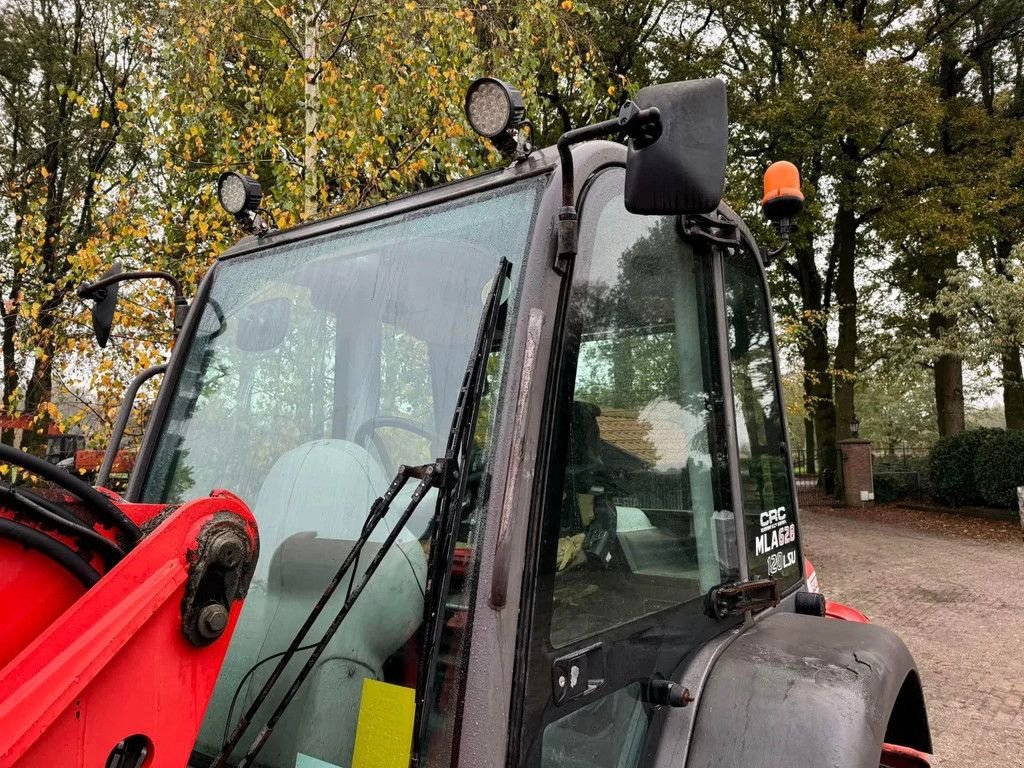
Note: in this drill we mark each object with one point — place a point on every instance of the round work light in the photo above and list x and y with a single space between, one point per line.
494 108
238 193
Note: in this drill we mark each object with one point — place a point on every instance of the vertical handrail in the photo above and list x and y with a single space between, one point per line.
123 414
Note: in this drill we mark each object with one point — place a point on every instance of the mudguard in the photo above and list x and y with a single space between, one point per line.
799 691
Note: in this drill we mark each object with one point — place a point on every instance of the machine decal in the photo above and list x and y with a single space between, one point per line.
775 533
384 733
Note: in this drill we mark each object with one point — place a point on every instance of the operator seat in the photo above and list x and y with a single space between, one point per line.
310 510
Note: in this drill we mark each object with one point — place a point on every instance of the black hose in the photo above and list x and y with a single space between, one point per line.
45 509
102 506
53 549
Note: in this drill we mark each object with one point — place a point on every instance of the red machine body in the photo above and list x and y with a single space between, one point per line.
133 658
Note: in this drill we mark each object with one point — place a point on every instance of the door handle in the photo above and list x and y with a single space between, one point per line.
577 674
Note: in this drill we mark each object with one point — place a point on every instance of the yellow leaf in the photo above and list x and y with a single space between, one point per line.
104 125
121 106
378 113
566 5
46 173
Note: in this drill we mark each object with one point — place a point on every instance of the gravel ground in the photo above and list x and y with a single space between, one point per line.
951 587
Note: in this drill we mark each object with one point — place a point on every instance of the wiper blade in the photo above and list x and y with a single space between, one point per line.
457 454
445 474
430 476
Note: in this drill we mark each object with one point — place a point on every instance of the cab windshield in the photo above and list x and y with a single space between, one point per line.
317 369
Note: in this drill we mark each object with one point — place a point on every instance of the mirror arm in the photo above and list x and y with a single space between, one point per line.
123 414
784 227
640 125
97 290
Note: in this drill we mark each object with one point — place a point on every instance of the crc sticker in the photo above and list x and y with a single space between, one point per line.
774 540
776 531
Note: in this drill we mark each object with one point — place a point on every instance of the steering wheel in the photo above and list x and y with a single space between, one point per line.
368 431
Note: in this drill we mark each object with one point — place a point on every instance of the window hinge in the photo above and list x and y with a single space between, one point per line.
742 596
710 227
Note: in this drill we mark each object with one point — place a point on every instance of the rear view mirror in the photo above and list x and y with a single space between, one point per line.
104 305
103 295
683 170
263 325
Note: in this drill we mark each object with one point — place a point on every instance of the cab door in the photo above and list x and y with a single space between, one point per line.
634 523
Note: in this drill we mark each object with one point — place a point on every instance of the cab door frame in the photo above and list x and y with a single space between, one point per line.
494 652
627 653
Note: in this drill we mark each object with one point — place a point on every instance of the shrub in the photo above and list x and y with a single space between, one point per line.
999 469
896 486
951 465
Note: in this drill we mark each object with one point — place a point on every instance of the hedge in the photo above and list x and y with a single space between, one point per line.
980 467
999 469
951 467
896 486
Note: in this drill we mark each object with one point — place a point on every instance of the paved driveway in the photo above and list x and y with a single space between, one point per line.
958 603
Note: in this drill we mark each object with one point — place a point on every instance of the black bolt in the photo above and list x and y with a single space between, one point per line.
666 692
213 620
227 550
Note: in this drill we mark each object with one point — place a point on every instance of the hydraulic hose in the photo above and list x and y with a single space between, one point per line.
102 506
53 549
46 510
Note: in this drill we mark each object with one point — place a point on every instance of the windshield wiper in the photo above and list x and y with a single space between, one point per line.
449 498
448 476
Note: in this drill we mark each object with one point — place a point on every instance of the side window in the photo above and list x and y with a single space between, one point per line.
769 518
643 523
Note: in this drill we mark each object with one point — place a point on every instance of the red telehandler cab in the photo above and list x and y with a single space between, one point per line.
516 451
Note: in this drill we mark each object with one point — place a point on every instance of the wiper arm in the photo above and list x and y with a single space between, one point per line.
429 475
442 546
445 474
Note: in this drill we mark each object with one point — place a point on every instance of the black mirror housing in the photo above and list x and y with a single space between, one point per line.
683 170
103 307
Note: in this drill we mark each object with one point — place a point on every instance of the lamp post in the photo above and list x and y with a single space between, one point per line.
854 426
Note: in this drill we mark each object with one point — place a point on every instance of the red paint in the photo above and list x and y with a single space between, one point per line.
836 610
26 421
52 590
895 756
115 661
91 461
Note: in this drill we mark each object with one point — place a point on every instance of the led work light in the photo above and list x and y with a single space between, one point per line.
496 111
238 193
240 196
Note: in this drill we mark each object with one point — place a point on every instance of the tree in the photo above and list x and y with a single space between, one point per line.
989 302
942 208
65 71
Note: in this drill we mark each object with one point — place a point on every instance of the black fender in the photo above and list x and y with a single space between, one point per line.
798 691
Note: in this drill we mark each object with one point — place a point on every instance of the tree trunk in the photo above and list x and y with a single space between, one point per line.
818 395
311 94
10 362
949 369
1009 355
846 297
949 394
810 463
1013 387
824 406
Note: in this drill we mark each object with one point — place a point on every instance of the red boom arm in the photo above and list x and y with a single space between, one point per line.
131 660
